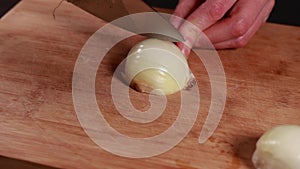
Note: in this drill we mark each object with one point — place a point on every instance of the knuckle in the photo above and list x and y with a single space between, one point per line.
217 11
269 5
265 19
272 3
240 42
240 28
269 8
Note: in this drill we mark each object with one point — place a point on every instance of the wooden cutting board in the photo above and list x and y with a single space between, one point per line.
37 118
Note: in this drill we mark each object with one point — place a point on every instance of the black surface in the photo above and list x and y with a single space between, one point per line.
284 12
171 4
6 5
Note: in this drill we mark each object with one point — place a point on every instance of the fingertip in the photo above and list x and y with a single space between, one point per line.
179 45
184 49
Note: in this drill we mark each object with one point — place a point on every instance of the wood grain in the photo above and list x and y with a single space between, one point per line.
37 118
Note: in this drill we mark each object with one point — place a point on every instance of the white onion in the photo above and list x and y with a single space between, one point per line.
157 65
278 148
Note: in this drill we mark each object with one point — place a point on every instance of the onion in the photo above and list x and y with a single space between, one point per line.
278 148
157 66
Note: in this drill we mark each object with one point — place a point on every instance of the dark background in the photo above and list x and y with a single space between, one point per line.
284 12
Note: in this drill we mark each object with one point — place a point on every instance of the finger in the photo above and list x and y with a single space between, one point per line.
182 10
210 12
186 50
241 18
243 40
203 17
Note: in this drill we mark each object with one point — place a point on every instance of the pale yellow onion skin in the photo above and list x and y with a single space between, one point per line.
157 65
278 148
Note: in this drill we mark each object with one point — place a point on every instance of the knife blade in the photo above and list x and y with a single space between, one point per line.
110 10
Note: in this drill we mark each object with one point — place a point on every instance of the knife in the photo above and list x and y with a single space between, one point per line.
110 10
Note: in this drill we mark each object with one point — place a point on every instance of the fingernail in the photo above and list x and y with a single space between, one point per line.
180 45
183 48
186 51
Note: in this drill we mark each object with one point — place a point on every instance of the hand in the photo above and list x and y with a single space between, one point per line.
227 23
